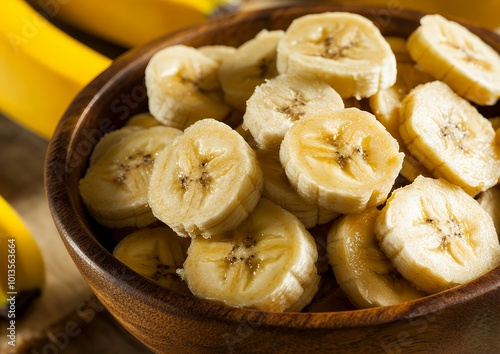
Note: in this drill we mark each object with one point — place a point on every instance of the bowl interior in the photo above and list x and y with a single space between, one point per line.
119 92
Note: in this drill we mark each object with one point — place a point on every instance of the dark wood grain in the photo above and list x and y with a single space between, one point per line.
464 319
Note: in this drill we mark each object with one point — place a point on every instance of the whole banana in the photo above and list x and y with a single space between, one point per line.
21 264
42 68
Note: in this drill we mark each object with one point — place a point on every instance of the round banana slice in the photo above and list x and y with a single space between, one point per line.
114 189
436 235
385 104
252 63
108 140
278 189
281 101
155 253
453 54
344 161
207 182
143 120
450 137
266 263
344 49
217 52
362 270
183 87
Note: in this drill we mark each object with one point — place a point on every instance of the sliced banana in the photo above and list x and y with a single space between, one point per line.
183 87
362 270
143 120
436 235
385 104
219 53
155 253
278 189
450 137
207 182
281 101
490 201
344 161
266 263
253 63
344 49
108 140
453 54
114 189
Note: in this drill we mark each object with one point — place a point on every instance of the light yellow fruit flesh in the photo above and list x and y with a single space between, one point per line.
267 263
362 270
344 161
436 235
207 182
155 253
451 53
450 137
344 49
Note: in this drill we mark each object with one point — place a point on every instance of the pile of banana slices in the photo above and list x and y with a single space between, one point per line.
367 150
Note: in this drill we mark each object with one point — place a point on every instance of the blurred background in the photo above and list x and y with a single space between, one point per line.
49 50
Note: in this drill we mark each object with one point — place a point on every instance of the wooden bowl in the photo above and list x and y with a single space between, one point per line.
464 319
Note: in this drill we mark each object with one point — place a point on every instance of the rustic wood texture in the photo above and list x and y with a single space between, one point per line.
462 320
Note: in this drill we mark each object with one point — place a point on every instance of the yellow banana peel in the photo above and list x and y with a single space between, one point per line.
41 67
22 270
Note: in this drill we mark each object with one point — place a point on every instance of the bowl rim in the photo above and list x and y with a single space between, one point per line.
78 237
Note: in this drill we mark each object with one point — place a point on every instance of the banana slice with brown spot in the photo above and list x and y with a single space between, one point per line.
344 49
436 235
450 137
344 161
115 188
206 182
265 263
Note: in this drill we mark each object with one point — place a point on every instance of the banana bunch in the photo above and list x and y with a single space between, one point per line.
21 264
43 68
337 137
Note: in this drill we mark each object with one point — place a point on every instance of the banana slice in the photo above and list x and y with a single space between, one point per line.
385 104
266 263
219 53
155 253
450 137
362 270
281 101
108 140
143 120
253 63
114 189
344 49
343 161
278 189
183 87
207 182
436 235
453 54
490 201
